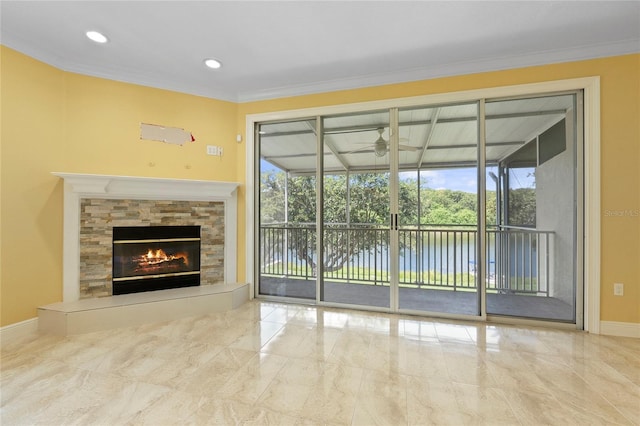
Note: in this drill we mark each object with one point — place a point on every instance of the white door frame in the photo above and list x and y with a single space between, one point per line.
592 215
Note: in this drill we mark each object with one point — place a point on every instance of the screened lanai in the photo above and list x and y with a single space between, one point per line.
400 209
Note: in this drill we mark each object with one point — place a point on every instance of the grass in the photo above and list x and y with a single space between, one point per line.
408 279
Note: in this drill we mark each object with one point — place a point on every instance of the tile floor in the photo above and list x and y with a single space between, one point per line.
274 363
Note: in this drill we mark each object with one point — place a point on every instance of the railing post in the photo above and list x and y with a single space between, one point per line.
306 261
547 267
455 260
285 247
348 231
375 258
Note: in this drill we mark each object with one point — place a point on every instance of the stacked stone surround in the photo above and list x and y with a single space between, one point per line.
98 217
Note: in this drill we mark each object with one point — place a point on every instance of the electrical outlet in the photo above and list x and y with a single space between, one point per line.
618 289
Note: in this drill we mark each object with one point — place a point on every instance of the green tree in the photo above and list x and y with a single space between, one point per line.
272 197
522 207
369 205
370 198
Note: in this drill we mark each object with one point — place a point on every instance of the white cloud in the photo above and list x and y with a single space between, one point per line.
433 178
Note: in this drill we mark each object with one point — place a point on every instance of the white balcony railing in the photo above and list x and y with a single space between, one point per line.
517 260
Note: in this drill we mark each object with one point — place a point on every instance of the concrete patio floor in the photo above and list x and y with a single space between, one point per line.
442 301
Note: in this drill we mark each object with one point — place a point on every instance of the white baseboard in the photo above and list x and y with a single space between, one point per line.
621 329
15 331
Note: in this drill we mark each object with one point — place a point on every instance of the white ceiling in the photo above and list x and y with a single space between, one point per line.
272 49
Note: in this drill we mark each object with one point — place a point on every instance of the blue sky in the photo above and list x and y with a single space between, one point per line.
455 179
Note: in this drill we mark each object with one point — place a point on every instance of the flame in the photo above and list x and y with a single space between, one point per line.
155 257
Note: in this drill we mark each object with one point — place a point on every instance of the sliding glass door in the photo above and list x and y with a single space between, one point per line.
356 209
287 259
534 234
438 203
469 209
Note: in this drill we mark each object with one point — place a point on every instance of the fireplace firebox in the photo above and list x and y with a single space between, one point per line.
148 258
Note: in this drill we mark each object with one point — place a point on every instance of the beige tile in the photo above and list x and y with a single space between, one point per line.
382 400
483 405
630 371
512 372
126 405
285 397
262 416
351 348
287 341
250 382
251 312
282 314
372 322
48 398
209 378
318 343
616 388
543 409
514 339
454 333
28 380
307 316
172 408
28 345
188 352
301 371
573 392
417 330
432 402
219 411
408 357
275 363
256 336
333 397
469 369
15 365
333 319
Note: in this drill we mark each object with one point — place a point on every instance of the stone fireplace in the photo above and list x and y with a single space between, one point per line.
96 206
102 219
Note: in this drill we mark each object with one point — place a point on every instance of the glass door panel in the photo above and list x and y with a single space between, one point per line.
532 167
438 209
287 258
356 214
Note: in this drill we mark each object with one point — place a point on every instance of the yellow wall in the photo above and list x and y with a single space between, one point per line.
33 138
57 121
620 145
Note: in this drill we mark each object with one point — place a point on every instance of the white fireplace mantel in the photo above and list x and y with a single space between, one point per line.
78 186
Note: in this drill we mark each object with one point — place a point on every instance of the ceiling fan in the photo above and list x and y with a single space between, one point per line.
381 146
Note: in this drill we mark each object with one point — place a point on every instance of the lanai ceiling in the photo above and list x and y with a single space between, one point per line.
429 136
271 49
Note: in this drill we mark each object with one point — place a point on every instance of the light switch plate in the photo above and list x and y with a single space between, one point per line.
618 289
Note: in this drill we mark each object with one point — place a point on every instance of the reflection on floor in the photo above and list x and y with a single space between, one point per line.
272 363
452 302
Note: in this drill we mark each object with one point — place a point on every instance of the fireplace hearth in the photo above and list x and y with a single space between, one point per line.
148 258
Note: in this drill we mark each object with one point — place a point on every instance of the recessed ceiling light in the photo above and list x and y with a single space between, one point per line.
97 37
213 63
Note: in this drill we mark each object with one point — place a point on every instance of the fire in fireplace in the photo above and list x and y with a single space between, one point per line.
147 258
